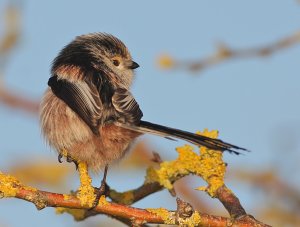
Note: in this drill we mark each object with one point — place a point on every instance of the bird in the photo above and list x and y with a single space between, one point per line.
89 112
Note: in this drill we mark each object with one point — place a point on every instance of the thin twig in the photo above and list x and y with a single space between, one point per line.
18 101
230 202
137 194
224 52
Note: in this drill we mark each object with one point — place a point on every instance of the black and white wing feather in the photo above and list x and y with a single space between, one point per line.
126 106
82 97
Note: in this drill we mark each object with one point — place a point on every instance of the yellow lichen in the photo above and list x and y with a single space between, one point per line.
102 201
192 221
211 134
123 197
165 215
67 196
78 214
10 185
207 164
166 61
86 193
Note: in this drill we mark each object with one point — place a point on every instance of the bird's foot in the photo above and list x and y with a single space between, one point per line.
68 158
103 189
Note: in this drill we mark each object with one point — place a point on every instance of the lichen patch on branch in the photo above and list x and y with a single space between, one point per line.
207 164
126 198
86 193
9 186
192 221
164 214
78 214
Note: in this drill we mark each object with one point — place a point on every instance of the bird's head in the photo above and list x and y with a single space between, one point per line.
96 52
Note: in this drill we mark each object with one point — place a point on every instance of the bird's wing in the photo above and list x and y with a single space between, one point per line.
126 106
82 97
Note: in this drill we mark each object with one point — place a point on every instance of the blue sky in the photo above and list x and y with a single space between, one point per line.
252 102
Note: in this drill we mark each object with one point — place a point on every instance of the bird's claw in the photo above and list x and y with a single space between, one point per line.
60 156
69 159
102 190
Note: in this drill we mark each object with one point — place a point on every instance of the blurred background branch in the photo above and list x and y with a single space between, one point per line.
225 52
12 31
17 101
9 40
282 198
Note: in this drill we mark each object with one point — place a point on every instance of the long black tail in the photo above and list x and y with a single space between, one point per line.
199 140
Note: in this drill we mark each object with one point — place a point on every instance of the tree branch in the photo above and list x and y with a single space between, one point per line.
43 199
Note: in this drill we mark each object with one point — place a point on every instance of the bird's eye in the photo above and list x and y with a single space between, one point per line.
116 62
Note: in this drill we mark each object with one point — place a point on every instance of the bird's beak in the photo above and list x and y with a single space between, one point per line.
134 65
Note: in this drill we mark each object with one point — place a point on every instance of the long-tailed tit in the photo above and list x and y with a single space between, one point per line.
88 110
